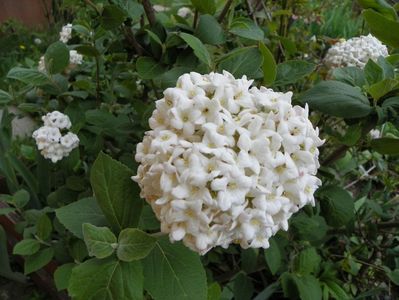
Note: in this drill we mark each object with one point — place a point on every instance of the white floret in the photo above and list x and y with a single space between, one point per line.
355 52
226 163
66 33
50 140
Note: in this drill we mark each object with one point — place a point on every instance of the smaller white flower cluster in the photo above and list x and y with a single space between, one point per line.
74 59
226 162
49 139
355 52
66 33
184 12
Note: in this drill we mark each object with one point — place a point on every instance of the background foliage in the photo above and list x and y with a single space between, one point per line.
85 214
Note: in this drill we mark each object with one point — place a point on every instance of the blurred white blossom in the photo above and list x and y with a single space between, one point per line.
49 138
184 12
226 162
66 33
355 52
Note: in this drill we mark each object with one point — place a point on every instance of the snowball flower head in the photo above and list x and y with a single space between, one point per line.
50 140
355 52
184 12
226 162
66 33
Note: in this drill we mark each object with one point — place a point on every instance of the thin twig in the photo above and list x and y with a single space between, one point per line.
224 11
88 2
195 19
132 39
98 80
149 11
366 174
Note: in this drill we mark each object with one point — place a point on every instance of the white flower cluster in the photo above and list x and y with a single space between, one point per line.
53 144
66 33
184 12
355 52
225 163
74 59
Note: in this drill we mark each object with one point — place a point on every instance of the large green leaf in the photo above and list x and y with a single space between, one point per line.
337 99
112 17
38 260
350 75
116 193
382 88
312 229
243 288
246 28
85 210
106 279
293 70
173 272
132 8
383 28
240 62
199 48
337 205
62 275
307 286
134 244
380 6
268 66
28 76
4 97
209 30
386 145
56 57
307 261
148 68
26 247
273 256
100 241
205 6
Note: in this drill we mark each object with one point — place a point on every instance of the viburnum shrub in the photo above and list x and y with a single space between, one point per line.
194 150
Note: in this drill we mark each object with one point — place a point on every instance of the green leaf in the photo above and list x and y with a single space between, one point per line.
199 48
106 279
337 99
380 6
169 78
26 247
336 291
62 275
148 68
214 291
291 71
308 287
173 272
268 291
20 198
373 72
312 229
394 276
112 17
38 260
383 28
243 287
28 76
133 9
337 205
307 261
209 30
350 75
382 88
73 215
268 66
240 62
117 195
100 241
386 145
273 256
4 97
134 244
246 28
88 50
56 57
44 227
204 6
